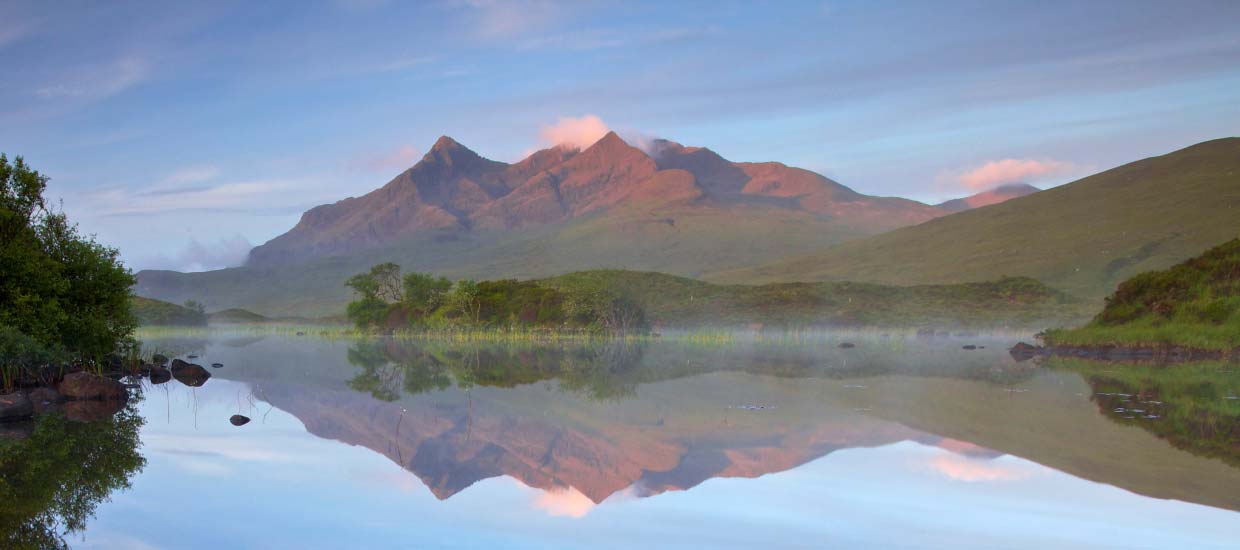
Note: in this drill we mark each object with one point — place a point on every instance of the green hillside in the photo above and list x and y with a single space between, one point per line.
666 238
236 316
160 313
1195 303
1083 238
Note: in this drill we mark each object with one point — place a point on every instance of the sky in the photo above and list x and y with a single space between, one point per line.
185 133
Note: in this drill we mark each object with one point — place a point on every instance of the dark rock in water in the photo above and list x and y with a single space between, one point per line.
93 410
84 385
45 400
1024 352
238 420
189 374
970 346
847 345
300 333
191 356
159 375
217 365
159 359
15 406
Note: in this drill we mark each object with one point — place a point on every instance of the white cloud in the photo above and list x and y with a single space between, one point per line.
580 132
998 172
199 256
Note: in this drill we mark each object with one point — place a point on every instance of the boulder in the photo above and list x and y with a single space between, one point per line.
17 430
1024 352
159 375
189 374
159 359
84 385
45 400
15 406
239 420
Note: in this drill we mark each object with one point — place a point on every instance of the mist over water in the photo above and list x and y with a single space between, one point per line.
783 442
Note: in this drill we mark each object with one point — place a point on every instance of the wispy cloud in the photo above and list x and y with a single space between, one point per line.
13 29
499 19
98 82
599 38
963 468
579 132
565 502
998 172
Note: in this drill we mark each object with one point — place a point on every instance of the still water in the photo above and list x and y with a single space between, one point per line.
750 444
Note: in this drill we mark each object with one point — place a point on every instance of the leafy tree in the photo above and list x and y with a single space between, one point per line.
57 287
196 306
464 300
425 293
368 312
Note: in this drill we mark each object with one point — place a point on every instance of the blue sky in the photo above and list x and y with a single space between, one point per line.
183 133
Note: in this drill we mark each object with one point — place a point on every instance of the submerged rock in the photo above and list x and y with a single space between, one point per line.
217 365
17 430
969 347
189 374
15 406
93 410
84 385
159 375
847 345
239 420
1024 352
159 359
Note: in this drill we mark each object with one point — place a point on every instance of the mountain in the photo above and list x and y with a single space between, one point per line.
1082 238
986 198
675 209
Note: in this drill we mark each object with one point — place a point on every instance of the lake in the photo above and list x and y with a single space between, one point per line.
896 442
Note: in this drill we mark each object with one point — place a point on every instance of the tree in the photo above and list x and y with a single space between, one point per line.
465 300
56 286
424 292
194 305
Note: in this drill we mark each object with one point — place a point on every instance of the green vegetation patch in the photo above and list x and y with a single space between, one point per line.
1194 304
152 312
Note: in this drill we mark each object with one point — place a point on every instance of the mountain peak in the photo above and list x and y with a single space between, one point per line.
449 152
446 143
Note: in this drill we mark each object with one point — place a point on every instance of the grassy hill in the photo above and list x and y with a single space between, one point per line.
666 238
159 313
236 316
1083 238
1195 303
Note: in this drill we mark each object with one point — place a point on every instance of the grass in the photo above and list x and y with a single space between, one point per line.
1195 304
1083 238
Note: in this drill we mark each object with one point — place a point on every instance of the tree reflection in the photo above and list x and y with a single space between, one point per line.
598 371
52 480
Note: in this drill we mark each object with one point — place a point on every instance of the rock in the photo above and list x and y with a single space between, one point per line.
159 375
93 410
238 420
300 333
84 385
847 345
15 406
45 400
217 365
1024 352
159 359
191 356
970 347
189 374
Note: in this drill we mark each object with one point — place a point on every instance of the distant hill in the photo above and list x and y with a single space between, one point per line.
1084 237
675 209
997 195
159 313
236 316
1193 304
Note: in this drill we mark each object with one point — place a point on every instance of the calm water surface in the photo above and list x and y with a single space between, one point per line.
895 443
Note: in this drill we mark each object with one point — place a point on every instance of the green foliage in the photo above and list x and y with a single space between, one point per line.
369 312
57 287
51 482
425 293
1195 304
